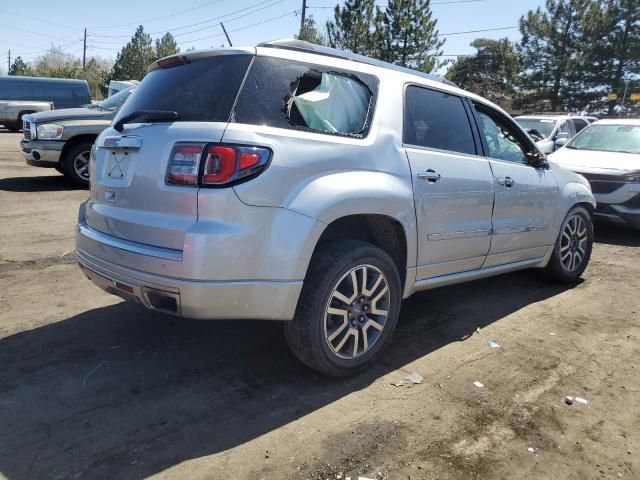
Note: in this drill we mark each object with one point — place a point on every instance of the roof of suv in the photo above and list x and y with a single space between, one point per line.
551 116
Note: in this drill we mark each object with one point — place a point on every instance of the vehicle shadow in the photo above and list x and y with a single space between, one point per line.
612 234
119 392
48 183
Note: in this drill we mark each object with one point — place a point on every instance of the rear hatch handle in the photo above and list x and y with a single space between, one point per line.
153 115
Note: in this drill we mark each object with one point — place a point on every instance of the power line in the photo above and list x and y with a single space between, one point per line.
295 12
476 31
450 2
159 18
220 17
48 22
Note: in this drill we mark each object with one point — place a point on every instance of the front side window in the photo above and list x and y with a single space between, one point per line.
438 120
579 124
538 128
500 137
295 95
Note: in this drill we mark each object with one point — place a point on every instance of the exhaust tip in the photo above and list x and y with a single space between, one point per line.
162 301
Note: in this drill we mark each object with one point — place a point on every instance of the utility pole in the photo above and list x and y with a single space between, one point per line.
626 81
226 34
9 63
304 14
84 49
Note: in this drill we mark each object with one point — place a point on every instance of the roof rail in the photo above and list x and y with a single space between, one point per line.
302 46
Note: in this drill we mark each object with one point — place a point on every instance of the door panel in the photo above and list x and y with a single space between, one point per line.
525 197
454 212
524 212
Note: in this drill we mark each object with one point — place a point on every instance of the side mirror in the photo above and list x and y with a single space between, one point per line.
537 160
561 142
560 135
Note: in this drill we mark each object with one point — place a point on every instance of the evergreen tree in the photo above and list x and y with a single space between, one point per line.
20 67
492 72
409 37
551 51
134 58
310 33
166 46
355 27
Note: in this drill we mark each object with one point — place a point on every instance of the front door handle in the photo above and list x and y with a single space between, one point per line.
430 176
506 181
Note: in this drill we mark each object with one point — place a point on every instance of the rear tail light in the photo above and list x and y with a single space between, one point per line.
183 164
222 164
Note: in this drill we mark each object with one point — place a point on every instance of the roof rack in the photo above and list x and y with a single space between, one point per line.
302 46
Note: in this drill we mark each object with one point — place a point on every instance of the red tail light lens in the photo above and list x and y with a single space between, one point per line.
183 164
225 164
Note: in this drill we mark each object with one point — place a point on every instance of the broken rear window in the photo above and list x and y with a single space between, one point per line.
295 95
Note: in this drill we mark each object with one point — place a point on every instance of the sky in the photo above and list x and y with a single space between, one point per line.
195 23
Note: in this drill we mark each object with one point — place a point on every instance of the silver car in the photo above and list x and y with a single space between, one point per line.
300 183
551 132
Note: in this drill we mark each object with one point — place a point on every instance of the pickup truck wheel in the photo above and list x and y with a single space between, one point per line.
572 250
348 308
76 164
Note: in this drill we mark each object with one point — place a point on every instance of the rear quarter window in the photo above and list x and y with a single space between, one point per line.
309 97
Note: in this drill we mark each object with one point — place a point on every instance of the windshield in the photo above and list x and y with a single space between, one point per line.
543 126
114 102
202 90
611 138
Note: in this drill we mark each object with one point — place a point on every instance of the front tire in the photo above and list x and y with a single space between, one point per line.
572 250
76 164
348 308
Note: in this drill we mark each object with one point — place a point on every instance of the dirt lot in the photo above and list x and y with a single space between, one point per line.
91 387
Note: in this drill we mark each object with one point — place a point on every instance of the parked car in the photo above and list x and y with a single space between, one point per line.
550 132
20 96
116 86
62 139
306 184
607 153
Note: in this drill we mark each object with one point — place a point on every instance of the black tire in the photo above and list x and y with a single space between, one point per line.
60 168
68 161
557 268
331 264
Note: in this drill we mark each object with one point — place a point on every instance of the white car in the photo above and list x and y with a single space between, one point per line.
607 153
551 132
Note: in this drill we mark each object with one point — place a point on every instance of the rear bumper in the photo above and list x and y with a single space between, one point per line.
237 299
41 154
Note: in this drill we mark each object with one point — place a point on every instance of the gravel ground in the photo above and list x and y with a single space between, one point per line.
91 387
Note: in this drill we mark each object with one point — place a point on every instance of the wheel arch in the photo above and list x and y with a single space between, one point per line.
72 142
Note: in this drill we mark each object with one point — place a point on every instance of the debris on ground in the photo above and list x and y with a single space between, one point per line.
569 400
531 449
409 381
581 400
553 334
493 344
478 384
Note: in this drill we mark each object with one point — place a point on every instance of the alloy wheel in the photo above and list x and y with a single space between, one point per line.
357 311
573 243
81 165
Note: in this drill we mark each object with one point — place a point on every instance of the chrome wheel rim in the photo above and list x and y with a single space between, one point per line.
81 164
573 243
357 311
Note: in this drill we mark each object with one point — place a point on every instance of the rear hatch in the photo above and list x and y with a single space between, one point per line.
185 99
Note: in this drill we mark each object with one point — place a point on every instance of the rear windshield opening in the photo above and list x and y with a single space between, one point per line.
330 102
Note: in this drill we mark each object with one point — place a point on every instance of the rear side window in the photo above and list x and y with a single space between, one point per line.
200 91
300 96
15 90
438 120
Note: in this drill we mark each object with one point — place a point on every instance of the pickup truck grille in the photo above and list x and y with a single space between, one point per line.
604 183
26 129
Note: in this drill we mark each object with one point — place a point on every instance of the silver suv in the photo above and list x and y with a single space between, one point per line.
305 184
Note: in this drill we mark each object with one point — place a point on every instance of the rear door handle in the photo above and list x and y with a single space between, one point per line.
506 181
430 176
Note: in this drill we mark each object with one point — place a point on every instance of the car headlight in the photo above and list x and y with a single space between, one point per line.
50 131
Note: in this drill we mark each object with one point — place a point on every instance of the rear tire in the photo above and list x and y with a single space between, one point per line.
572 250
343 322
75 164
